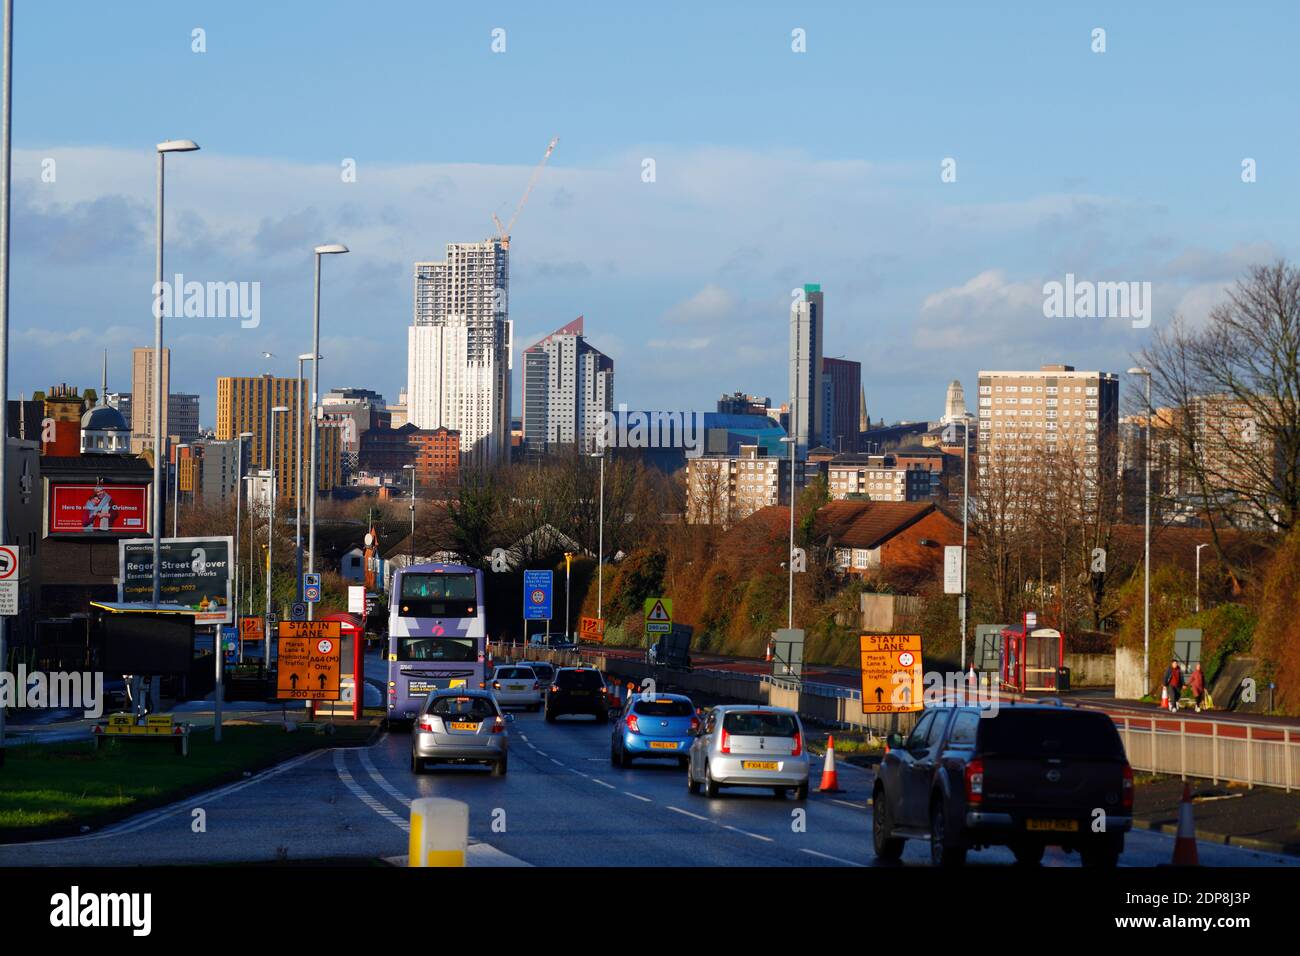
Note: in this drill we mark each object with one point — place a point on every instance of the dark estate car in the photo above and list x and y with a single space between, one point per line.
1023 776
577 690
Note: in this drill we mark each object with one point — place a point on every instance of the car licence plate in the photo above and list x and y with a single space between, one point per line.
758 764
464 726
663 745
579 693
515 687
1069 826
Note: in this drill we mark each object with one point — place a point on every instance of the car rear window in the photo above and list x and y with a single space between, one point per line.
663 708
516 673
475 707
1047 733
579 680
759 724
544 671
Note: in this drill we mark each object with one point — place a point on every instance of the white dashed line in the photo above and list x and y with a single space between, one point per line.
380 779
556 762
827 856
846 803
603 783
687 813
756 836
540 753
366 798
580 773
637 796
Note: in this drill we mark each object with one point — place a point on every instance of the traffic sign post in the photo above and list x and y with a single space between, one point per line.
309 660
592 629
787 652
537 598
658 619
891 673
8 581
311 588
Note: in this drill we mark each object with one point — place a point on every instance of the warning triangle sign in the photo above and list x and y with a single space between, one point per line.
658 613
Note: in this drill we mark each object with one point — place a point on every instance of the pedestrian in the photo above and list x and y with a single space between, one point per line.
1173 682
1196 683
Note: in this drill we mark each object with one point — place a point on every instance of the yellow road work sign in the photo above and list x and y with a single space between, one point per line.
891 673
309 660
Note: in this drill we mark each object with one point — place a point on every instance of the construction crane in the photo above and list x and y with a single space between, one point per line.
503 232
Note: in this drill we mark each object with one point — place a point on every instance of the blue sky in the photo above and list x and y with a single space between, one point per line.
773 168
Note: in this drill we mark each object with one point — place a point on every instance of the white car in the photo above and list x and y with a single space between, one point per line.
516 686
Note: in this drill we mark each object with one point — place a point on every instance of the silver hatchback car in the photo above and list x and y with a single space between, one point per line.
745 745
460 726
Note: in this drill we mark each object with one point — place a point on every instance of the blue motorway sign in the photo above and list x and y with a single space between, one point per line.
537 595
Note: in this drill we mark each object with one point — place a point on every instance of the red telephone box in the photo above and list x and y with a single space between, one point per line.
1031 658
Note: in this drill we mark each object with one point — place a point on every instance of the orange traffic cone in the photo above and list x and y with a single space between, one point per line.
1164 697
830 779
1185 842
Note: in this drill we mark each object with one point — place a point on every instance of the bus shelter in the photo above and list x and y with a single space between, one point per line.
1031 658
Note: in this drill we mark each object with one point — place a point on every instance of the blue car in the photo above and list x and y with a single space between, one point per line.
660 725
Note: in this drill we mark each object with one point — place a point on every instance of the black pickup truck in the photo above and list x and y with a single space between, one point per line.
1025 776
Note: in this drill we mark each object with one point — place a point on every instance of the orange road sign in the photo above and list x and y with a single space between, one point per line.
592 628
252 629
891 673
309 665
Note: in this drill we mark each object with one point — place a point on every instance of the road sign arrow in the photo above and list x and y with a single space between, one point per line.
322 681
880 693
293 681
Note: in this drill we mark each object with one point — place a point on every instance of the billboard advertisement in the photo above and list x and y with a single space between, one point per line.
196 573
98 509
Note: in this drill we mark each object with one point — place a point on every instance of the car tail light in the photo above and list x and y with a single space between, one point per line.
499 725
632 724
555 688
975 781
426 723
695 724
797 749
536 686
1126 788
496 685
726 741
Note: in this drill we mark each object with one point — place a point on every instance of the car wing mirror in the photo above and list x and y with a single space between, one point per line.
895 741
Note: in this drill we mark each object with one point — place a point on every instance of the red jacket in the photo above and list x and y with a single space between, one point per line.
1197 682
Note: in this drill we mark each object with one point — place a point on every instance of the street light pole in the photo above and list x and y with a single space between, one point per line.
5 155
793 439
159 395
1146 546
568 621
600 541
270 533
411 469
313 477
965 518
239 502
1198 575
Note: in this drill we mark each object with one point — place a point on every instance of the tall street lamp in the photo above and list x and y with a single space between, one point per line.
965 518
411 469
600 539
792 440
239 502
5 155
270 531
312 475
170 146
297 479
1198 575
1146 552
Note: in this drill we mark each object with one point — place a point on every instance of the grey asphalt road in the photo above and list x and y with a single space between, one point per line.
561 804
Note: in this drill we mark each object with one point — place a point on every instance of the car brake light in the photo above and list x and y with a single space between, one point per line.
499 725
695 724
726 742
632 724
555 688
797 749
1126 789
426 724
975 781
536 686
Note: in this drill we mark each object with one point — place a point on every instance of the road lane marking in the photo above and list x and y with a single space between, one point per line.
359 792
380 779
542 753
580 773
847 803
556 762
827 856
687 813
603 783
756 836
637 796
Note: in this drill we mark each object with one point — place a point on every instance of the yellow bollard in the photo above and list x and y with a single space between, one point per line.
439 832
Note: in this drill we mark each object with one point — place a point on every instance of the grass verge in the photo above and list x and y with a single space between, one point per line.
49 790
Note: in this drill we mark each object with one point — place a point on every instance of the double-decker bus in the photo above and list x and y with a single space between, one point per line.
437 634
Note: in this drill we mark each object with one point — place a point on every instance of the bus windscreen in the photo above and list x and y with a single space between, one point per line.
437 595
454 649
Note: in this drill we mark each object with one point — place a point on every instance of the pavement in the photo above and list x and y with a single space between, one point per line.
561 804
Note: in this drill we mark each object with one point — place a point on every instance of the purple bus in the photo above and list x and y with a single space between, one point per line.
437 634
